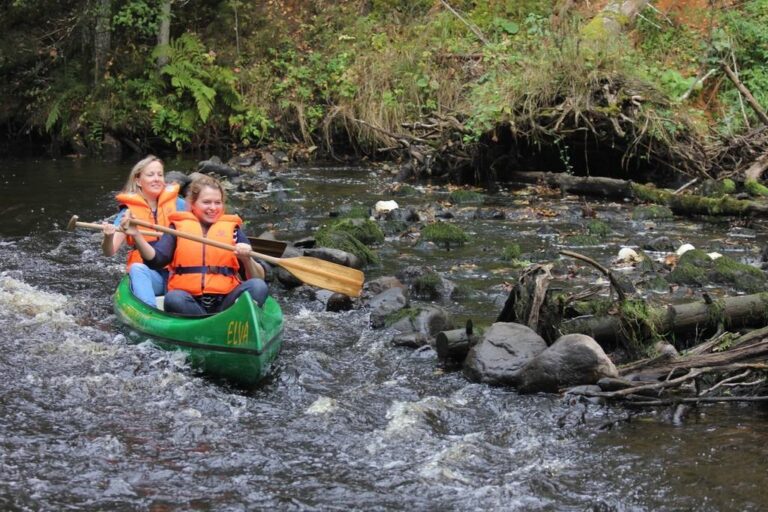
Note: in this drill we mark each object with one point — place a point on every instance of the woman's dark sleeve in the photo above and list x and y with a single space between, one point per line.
164 249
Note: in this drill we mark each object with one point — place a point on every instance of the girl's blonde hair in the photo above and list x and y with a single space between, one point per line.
201 182
130 183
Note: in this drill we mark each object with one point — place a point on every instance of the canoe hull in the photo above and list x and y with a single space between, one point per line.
239 344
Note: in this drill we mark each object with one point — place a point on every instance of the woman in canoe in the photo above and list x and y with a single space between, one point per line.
203 279
146 196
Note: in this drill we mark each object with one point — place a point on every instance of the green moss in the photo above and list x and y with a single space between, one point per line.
406 191
697 268
396 316
755 188
356 212
640 324
729 186
599 228
365 230
427 286
596 307
651 194
692 268
444 234
511 252
581 240
739 275
345 241
463 196
656 284
716 314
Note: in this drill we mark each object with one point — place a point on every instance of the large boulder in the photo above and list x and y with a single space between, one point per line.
572 360
501 353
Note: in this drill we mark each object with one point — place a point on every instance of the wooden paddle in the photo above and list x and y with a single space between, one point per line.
266 246
313 271
74 223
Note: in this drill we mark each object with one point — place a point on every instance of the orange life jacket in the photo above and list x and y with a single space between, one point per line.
166 205
199 268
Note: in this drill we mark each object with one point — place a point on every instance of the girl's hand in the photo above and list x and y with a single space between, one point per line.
243 250
108 229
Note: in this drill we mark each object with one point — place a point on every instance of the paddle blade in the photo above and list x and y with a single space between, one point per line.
324 274
269 247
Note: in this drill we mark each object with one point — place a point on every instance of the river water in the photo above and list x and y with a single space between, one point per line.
89 421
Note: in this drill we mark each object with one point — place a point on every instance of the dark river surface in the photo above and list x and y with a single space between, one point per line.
347 421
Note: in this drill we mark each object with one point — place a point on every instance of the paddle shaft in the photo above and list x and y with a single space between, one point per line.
99 227
202 240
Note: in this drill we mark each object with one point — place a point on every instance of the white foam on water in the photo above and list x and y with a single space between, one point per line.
34 305
323 405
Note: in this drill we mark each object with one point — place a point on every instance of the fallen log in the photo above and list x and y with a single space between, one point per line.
454 345
585 185
612 188
735 312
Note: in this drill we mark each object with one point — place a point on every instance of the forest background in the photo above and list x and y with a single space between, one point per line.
370 78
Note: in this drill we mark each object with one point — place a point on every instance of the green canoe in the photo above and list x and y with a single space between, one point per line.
237 344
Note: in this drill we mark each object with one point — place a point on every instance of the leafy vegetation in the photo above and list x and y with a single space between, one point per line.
353 73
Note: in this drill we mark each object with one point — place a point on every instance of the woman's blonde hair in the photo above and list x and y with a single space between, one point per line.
130 183
197 186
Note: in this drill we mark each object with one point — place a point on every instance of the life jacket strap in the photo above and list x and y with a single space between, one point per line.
211 269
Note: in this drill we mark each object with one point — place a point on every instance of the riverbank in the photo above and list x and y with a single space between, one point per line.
466 92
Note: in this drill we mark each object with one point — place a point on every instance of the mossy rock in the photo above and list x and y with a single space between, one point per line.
365 230
396 316
740 275
691 268
598 228
427 286
582 240
355 212
444 234
696 267
394 227
406 191
345 241
652 212
511 252
655 284
465 197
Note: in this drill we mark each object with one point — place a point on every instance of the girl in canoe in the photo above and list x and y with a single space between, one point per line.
203 279
146 196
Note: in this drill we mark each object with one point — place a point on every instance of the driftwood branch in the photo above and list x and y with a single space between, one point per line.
744 91
470 26
614 282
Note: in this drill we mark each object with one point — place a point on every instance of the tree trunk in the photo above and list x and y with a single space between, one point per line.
164 31
735 312
102 40
679 203
613 19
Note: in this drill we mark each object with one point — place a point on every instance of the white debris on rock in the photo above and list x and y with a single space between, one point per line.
385 206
